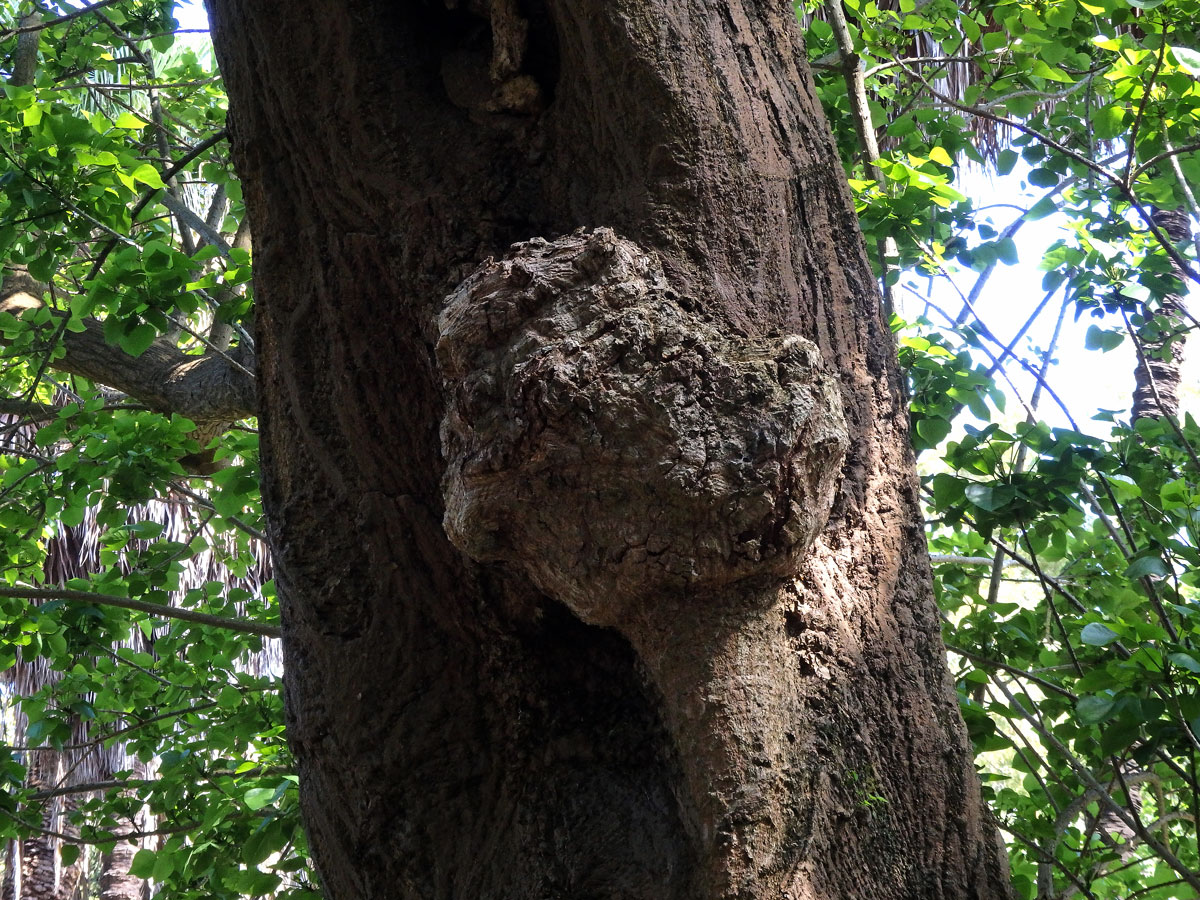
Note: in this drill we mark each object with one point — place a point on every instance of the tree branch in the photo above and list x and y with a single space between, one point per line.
154 609
205 389
856 91
1124 188
178 166
190 219
39 25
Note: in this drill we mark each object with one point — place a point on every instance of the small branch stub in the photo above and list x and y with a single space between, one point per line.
610 441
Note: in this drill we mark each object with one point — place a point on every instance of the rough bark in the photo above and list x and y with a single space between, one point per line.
12 869
25 58
1160 357
475 724
69 876
116 882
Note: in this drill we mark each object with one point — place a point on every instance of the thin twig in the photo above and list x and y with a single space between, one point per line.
50 23
153 609
1147 90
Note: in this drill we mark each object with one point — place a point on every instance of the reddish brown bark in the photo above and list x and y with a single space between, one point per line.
460 733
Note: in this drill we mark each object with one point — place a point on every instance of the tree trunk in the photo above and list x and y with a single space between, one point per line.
39 853
116 882
652 670
70 875
1160 354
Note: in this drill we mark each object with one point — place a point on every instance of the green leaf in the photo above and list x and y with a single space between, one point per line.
143 864
1145 566
1185 661
933 430
164 865
1050 73
1093 709
994 40
940 156
1102 339
1006 251
977 405
257 798
985 496
1044 207
148 175
139 339
229 698
1109 121
1096 635
68 853
1043 177
1175 494
1188 59
130 121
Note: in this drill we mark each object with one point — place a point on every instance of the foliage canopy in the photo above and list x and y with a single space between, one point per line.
1065 554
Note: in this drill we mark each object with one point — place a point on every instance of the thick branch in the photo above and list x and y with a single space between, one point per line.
208 388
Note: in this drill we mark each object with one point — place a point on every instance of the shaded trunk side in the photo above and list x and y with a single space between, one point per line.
116 880
12 870
70 877
459 733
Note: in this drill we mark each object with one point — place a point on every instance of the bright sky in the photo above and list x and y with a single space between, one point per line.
1086 380
191 14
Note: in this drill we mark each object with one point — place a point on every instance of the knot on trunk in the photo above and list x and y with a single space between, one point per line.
610 441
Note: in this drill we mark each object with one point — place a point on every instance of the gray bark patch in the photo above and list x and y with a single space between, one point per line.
605 437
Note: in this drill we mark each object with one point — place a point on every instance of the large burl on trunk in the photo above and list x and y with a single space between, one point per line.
586 462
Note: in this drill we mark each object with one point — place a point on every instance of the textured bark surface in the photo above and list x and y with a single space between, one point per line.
694 459
213 390
461 733
116 882
40 876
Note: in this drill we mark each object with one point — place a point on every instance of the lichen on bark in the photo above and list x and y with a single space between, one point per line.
610 441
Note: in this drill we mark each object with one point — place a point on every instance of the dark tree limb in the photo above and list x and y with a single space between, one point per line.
1160 351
